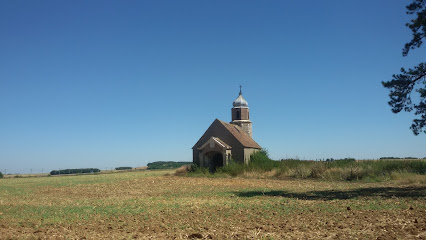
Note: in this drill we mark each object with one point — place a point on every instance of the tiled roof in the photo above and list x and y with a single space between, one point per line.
240 135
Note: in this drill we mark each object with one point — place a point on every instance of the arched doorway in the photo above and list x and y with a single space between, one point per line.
215 161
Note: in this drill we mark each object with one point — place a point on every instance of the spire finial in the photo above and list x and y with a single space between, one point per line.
240 89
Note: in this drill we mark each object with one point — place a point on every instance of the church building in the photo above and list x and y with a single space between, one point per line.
223 141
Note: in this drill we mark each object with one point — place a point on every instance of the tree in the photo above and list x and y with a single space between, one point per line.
402 85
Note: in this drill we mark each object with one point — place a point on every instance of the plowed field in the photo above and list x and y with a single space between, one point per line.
139 205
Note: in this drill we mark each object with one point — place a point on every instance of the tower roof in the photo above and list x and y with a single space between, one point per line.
240 102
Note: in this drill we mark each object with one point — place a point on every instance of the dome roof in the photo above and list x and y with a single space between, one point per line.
240 102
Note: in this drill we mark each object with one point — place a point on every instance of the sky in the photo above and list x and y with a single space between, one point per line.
106 84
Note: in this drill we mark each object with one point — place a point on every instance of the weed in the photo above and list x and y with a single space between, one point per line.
261 166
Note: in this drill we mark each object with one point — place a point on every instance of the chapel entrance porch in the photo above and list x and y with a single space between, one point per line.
214 160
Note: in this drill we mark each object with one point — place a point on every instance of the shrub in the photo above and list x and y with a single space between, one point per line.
1 175
260 161
196 170
232 168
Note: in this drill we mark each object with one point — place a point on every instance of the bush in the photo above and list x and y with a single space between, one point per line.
260 161
232 168
1 175
196 170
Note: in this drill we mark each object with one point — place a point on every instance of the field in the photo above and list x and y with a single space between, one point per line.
153 204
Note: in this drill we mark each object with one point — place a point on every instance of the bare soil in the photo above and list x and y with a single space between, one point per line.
137 205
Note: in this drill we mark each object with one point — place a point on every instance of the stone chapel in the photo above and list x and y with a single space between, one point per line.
223 141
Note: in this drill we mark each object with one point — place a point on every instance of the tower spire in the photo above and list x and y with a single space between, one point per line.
240 89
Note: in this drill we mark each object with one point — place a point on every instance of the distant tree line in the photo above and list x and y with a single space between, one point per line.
400 158
74 171
123 168
166 165
343 159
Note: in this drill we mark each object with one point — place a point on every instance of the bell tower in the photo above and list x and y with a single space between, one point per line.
241 115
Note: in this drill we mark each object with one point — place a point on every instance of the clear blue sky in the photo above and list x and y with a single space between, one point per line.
123 83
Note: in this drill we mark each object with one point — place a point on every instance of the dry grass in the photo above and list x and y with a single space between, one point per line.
183 170
149 204
26 175
408 178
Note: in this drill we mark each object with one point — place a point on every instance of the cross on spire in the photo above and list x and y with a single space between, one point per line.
240 89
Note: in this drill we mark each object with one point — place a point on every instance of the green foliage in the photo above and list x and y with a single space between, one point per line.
233 168
402 85
260 161
341 163
417 25
167 165
196 171
347 169
1 175
123 168
74 171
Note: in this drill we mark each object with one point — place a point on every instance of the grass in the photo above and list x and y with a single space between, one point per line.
151 204
261 166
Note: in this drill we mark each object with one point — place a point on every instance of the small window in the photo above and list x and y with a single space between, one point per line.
238 114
